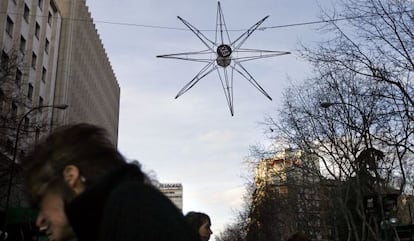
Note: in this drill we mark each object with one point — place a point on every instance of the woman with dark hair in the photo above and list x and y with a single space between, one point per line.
201 223
86 191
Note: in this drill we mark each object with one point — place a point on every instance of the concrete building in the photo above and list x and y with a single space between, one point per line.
29 44
174 191
59 59
85 78
286 192
50 54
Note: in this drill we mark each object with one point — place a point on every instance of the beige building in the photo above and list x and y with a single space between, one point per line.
59 59
86 81
50 54
287 189
29 42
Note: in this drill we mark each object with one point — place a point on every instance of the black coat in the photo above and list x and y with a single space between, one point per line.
121 207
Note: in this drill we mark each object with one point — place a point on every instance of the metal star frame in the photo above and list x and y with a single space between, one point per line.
224 56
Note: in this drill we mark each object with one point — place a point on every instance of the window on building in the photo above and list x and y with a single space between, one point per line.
26 13
22 44
34 60
4 60
21 154
4 57
37 134
44 74
30 92
40 101
37 30
47 46
26 123
9 26
14 110
9 146
18 79
49 18
2 101
40 4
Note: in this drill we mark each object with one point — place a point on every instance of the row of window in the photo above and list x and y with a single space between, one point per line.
44 71
10 27
9 31
26 12
13 111
18 76
30 94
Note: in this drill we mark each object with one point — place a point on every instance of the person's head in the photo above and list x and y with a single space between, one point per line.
201 223
61 167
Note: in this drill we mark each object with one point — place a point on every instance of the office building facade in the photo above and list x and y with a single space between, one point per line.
288 193
56 57
29 44
50 55
85 78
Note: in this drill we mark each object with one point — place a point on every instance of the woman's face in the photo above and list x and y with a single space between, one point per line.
52 218
205 231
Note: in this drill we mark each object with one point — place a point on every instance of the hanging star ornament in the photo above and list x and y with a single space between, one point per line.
224 56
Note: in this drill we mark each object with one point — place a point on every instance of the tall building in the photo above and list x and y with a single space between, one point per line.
286 198
50 55
85 78
29 45
54 56
174 191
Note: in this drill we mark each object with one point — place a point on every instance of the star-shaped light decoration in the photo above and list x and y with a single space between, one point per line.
224 56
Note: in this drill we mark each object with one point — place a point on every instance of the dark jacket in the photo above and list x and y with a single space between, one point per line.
120 207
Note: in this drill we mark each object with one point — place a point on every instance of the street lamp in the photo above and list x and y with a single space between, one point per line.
387 202
13 164
329 104
326 104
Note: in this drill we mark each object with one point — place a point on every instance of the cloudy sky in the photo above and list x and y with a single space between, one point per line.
194 140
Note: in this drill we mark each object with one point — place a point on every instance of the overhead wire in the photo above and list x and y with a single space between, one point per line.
230 30
335 20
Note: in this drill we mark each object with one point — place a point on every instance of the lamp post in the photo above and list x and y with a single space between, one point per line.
386 202
329 104
13 164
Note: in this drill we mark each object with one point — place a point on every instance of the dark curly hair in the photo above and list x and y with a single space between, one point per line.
84 145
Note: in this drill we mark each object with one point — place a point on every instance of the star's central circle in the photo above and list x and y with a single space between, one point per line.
223 55
224 50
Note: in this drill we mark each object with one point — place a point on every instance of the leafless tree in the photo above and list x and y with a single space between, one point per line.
363 136
235 231
345 138
15 101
